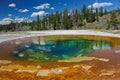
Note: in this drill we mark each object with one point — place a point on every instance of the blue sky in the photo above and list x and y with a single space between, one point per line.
19 10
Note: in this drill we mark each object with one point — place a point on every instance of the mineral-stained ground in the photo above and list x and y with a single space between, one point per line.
99 67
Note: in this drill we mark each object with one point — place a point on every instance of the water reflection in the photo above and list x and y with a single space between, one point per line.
43 50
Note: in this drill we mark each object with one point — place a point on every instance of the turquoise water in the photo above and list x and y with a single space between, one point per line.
59 49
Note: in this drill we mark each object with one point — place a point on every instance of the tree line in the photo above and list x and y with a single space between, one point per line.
66 19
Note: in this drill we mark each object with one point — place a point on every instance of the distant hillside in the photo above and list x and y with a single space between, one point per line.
103 22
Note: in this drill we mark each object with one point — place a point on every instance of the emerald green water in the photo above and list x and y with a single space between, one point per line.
59 49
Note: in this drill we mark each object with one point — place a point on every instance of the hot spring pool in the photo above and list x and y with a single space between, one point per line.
54 48
59 49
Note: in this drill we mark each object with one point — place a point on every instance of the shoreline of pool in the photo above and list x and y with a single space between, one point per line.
17 35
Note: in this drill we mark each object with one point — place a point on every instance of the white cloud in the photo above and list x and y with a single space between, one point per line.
52 8
98 5
12 5
5 21
20 19
65 4
23 10
9 15
40 13
43 6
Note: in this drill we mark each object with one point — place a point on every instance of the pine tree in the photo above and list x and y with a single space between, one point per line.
47 22
65 19
113 20
61 21
118 11
84 11
80 21
44 23
101 11
38 24
57 17
69 23
54 21
97 15
51 21
90 15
